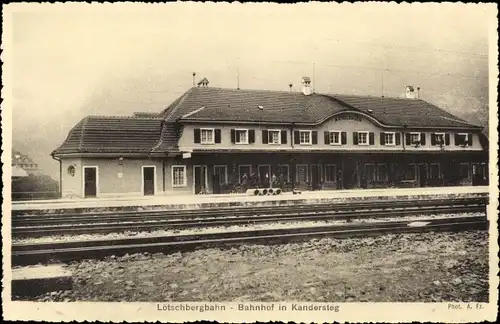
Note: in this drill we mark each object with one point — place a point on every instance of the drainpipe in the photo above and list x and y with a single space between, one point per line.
163 175
60 174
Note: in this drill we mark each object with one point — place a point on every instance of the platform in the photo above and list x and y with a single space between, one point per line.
36 280
240 200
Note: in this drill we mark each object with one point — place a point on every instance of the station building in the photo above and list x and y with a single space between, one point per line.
215 140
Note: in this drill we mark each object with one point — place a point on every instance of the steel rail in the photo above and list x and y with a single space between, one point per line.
30 220
23 254
230 221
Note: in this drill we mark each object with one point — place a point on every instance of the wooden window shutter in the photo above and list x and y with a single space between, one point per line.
469 138
197 135
233 136
447 139
371 136
327 137
398 138
283 136
344 138
265 138
433 139
408 138
382 138
296 137
355 138
314 139
457 140
217 136
422 138
251 136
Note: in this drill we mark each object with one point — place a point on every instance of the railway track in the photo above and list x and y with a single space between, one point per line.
37 226
24 254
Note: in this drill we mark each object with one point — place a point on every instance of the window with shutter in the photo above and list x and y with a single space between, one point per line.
296 137
398 138
233 136
251 136
241 136
207 135
371 137
314 137
334 138
344 138
469 137
388 138
283 137
422 138
274 136
363 138
197 138
217 136
437 139
265 139
447 139
327 137
355 138
305 137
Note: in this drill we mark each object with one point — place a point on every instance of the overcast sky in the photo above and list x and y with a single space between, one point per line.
70 62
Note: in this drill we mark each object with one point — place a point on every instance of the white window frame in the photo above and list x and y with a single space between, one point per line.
225 171
310 137
97 191
330 137
419 137
377 173
287 171
367 137
297 172
213 135
393 138
185 176
468 169
466 135
334 174
438 170
443 136
239 171
142 178
279 136
236 130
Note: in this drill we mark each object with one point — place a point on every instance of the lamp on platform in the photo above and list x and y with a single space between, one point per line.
120 160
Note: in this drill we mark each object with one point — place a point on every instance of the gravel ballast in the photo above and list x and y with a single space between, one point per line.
414 267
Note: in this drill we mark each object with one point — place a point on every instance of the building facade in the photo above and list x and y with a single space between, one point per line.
213 140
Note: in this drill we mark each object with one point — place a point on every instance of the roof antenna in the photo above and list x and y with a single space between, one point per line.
194 82
238 75
314 78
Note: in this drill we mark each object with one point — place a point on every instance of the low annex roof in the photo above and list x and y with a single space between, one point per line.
102 134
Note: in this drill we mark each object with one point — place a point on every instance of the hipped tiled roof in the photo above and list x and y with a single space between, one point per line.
146 134
294 107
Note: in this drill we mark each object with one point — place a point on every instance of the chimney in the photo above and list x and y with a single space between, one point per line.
290 85
194 81
418 92
306 86
410 92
